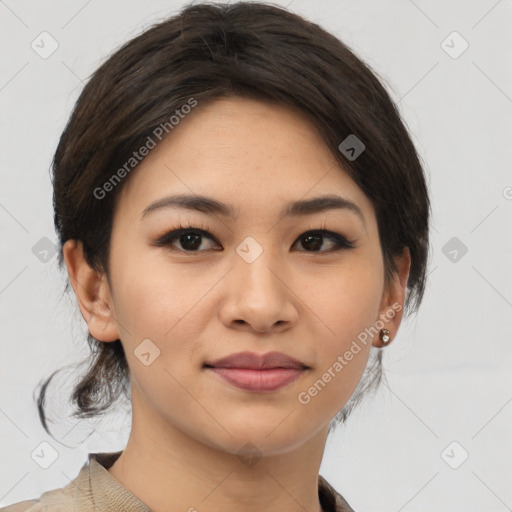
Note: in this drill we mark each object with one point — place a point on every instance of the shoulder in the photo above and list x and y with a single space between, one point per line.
63 499
23 506
75 495
56 500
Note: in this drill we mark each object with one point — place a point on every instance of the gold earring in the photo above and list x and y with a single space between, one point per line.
384 336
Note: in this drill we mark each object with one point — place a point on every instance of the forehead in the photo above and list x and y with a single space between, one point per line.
248 153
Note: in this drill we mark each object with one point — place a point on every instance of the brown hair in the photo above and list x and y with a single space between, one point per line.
208 51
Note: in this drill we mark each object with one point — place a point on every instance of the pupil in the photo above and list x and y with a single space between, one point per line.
314 246
311 242
185 239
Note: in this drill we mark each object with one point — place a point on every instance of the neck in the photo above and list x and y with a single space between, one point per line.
171 471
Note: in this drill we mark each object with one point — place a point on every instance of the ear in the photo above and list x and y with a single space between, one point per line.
393 298
92 292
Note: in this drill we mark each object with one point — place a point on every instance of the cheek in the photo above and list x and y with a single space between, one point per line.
151 298
348 299
347 308
165 307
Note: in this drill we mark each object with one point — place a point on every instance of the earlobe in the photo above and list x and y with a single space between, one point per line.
92 293
391 311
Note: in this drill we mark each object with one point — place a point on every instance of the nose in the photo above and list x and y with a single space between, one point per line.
257 296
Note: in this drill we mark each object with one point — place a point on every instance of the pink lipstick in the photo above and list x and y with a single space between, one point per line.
259 373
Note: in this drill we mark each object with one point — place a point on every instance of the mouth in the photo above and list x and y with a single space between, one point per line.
270 379
254 361
258 373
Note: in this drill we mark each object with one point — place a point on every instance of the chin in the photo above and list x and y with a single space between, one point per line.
259 438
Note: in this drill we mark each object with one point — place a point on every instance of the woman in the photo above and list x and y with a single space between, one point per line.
244 221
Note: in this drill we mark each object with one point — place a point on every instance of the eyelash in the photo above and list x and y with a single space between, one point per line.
166 240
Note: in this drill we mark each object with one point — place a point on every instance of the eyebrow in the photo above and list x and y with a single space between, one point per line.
209 205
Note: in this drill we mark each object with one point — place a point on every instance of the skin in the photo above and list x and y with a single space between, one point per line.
189 426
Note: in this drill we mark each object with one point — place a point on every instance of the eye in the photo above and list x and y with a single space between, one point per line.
190 240
313 240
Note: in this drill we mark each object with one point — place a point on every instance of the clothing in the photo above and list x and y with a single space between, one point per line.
95 489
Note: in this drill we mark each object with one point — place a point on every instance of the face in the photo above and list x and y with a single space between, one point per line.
305 284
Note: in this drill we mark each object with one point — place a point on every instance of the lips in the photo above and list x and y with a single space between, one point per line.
253 361
258 373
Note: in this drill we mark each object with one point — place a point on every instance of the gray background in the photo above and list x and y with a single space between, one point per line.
448 371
